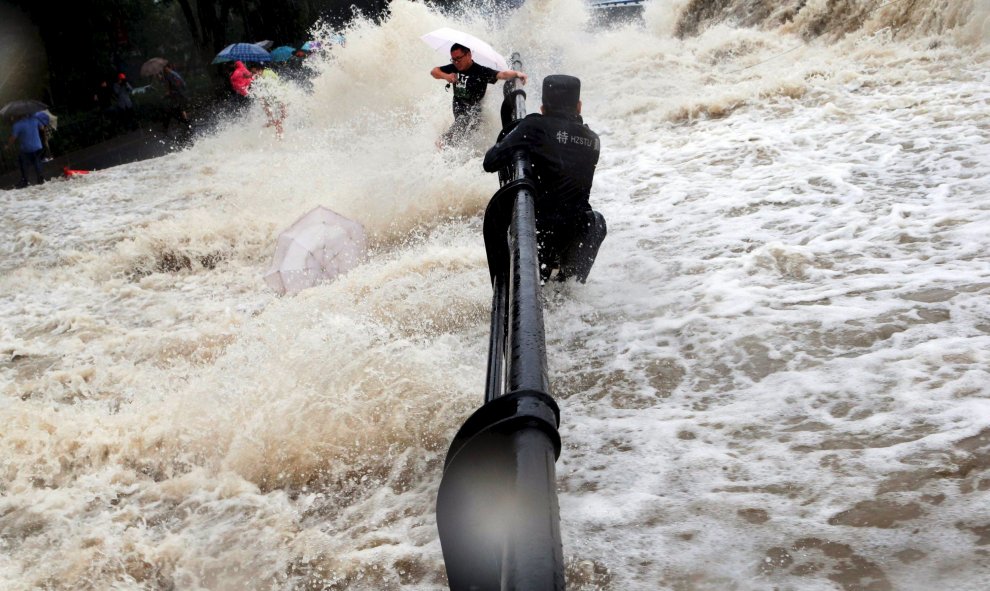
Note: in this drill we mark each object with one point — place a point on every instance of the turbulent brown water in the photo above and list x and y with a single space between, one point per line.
776 378
832 19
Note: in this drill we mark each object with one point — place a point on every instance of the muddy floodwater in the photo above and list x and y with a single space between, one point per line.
777 376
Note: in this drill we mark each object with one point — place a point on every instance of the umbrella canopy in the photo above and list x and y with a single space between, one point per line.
481 52
245 52
23 107
153 67
266 44
317 247
48 119
283 53
325 43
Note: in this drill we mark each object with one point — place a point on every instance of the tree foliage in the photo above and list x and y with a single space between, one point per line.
94 40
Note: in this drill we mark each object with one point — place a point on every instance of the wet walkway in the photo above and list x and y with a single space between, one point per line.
130 147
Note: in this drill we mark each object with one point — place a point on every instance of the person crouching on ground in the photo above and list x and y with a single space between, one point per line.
564 153
470 81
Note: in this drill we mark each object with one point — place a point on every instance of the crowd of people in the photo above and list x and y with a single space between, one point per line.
245 81
113 103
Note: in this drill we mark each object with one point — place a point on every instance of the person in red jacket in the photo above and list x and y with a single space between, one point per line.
240 81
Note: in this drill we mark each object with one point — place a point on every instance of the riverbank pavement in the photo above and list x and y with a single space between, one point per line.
122 149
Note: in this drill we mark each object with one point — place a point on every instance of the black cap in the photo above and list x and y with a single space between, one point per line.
561 92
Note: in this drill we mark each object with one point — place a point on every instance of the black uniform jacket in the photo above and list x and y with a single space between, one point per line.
564 153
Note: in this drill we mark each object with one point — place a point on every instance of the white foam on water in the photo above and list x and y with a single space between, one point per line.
775 378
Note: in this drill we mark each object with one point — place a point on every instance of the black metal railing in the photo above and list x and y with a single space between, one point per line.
497 509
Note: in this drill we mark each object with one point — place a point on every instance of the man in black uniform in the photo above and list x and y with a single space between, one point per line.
563 152
470 82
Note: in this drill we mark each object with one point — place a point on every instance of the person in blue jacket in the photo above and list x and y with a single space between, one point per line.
45 120
26 133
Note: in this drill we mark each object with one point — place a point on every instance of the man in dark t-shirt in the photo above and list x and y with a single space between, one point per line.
470 82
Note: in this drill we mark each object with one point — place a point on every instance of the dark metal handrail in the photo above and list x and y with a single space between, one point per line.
497 509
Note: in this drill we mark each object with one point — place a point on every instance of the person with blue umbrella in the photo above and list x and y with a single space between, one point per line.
240 81
283 53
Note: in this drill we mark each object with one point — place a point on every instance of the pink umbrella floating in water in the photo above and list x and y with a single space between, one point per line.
316 248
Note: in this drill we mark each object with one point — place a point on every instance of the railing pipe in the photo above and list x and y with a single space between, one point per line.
527 361
496 343
497 509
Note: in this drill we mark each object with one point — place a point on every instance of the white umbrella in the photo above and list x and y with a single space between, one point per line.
481 52
317 247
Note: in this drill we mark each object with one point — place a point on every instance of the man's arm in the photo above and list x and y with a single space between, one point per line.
441 75
510 74
499 155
